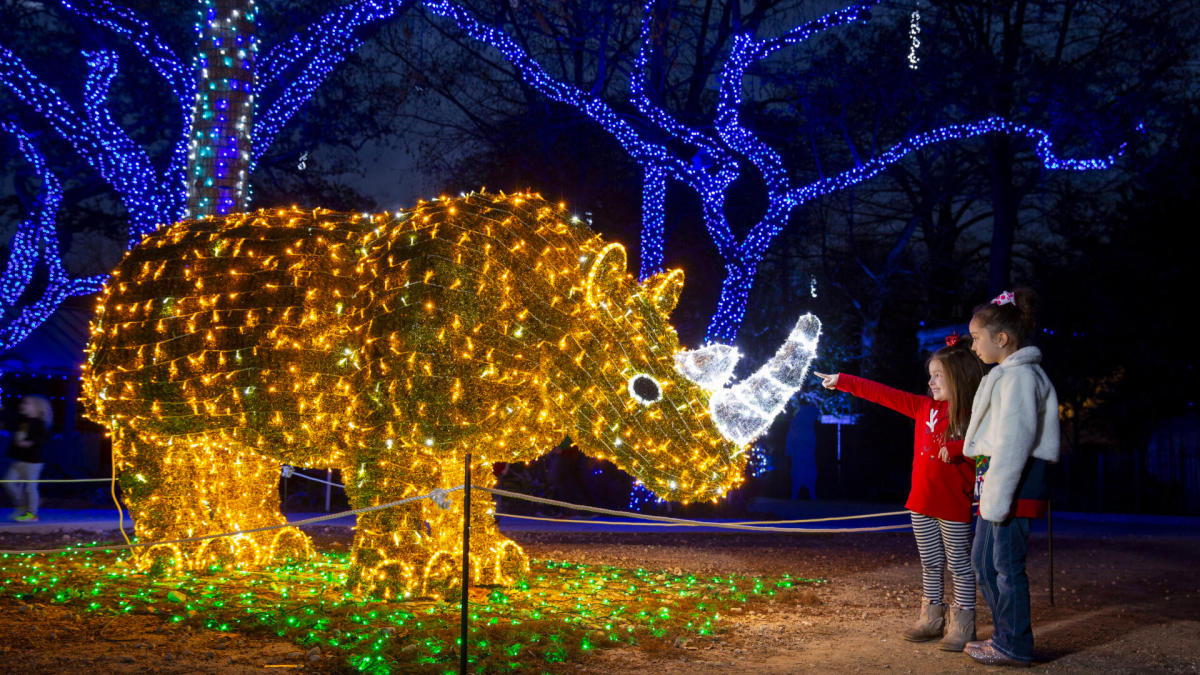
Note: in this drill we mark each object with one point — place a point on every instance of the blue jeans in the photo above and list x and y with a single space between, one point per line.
998 557
24 495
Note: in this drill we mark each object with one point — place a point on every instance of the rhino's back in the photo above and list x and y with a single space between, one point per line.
233 327
464 303
307 334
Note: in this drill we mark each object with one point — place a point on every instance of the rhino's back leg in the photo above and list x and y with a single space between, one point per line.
179 488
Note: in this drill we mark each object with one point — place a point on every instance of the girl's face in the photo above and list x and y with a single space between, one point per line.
26 407
939 384
988 346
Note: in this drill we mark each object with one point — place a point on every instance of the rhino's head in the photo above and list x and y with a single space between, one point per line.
659 412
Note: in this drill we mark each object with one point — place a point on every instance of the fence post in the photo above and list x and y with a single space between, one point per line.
466 563
1050 540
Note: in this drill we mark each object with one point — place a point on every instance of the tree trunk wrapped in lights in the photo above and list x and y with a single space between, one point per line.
390 346
222 115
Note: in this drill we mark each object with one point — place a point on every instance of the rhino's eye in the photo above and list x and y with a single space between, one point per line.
645 389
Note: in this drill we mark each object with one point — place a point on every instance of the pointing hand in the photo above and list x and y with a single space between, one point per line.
828 381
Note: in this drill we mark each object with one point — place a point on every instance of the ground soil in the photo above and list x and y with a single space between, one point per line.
1121 604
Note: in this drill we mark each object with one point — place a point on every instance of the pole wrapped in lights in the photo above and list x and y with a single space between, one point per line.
709 163
390 346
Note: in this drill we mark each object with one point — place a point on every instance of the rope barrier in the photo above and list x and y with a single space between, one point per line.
711 523
289 471
60 480
440 497
689 522
437 495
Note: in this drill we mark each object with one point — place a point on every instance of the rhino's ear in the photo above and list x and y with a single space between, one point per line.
663 290
605 275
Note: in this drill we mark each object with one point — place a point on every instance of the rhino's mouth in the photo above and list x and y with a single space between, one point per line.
743 411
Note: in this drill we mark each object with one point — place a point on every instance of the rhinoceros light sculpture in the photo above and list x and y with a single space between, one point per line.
389 346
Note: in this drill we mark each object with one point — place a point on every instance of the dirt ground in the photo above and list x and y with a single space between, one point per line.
1121 604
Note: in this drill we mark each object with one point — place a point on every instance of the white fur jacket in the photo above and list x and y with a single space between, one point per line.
1014 416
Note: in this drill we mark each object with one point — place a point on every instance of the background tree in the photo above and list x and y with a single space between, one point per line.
713 154
921 235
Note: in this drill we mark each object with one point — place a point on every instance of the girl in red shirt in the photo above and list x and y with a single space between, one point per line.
942 484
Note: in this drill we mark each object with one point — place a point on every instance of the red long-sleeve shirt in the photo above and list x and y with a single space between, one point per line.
939 490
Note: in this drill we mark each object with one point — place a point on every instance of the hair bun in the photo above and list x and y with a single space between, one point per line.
1026 300
1012 312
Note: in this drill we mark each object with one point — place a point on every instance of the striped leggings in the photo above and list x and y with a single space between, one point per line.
937 542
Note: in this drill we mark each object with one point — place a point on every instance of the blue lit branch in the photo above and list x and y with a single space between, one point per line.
98 140
120 161
321 46
654 203
36 241
128 25
643 150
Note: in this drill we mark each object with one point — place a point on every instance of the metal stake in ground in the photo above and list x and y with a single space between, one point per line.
466 563
1050 543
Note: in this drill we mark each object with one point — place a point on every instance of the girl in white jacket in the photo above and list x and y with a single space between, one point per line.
1013 436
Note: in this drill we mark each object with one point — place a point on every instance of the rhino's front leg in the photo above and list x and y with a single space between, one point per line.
416 548
495 559
392 546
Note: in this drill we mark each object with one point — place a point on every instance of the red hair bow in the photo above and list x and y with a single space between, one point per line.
952 339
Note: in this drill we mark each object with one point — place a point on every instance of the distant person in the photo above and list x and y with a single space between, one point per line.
29 433
939 503
1013 436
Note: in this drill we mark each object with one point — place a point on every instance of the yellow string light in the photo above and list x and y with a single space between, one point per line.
388 346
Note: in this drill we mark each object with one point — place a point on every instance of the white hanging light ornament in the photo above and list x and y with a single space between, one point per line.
914 29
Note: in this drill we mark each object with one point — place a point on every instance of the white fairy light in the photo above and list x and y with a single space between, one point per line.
914 29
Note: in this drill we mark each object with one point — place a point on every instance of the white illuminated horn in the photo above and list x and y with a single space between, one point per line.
744 411
710 367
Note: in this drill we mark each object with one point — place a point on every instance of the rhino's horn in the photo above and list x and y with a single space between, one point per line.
710 367
744 411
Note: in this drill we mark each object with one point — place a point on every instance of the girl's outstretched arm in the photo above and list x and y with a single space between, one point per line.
911 405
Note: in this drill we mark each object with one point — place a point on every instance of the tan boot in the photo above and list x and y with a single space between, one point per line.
929 625
960 629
